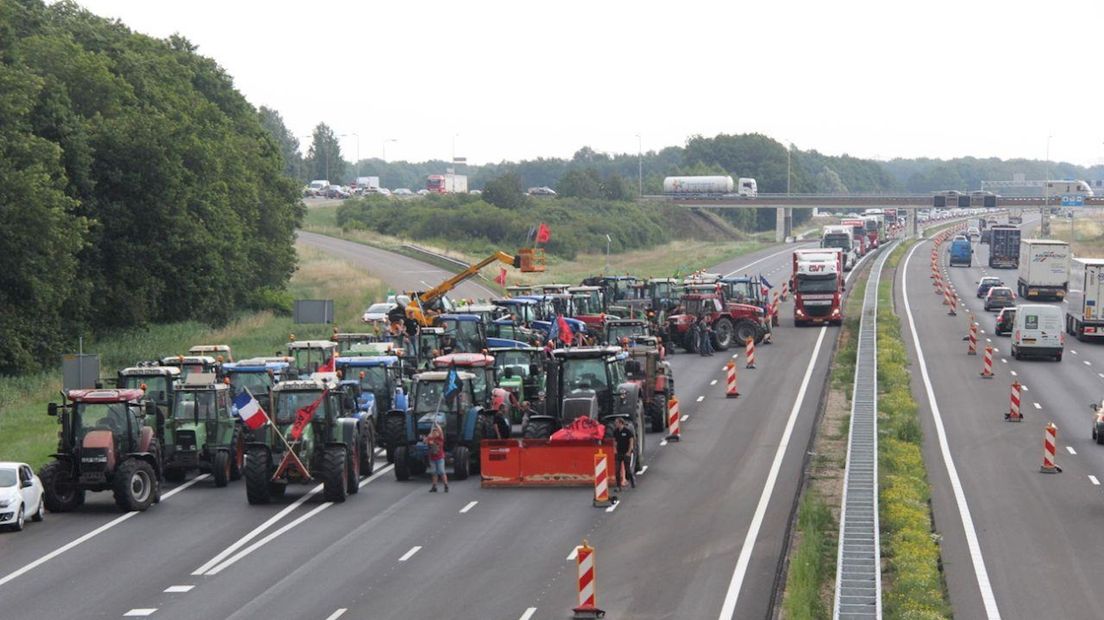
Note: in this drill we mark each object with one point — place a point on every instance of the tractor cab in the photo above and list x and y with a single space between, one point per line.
310 355
519 290
203 434
377 377
624 331
520 371
192 364
463 333
485 311
220 352
256 375
614 288
554 289
480 366
588 299
744 290
661 293
347 340
520 310
158 382
503 331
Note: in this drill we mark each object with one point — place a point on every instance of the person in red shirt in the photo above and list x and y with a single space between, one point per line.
436 443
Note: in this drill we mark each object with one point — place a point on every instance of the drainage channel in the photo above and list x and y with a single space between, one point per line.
858 577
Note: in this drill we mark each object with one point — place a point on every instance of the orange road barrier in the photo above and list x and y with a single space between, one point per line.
972 346
1050 444
785 290
952 303
987 363
674 417
601 480
749 351
1014 414
541 462
730 385
588 586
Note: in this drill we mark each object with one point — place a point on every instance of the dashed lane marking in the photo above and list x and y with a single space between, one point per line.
409 554
643 470
685 417
574 553
1004 360
1012 372
1072 351
613 507
1024 387
528 613
172 589
337 614
701 398
1093 480
1071 450
140 612
663 443
713 382
1037 405
468 507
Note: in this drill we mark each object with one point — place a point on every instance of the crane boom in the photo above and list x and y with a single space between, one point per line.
415 310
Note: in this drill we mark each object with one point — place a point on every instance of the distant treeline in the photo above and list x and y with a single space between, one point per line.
136 185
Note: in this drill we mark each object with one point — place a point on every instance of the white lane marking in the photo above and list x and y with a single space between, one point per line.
987 597
613 507
728 610
1013 373
409 554
1004 360
140 613
1072 351
701 398
734 356
96 532
468 507
276 534
574 553
713 382
1093 480
1071 450
528 613
172 589
1024 387
663 443
643 470
684 418
337 614
982 331
1037 405
753 263
988 340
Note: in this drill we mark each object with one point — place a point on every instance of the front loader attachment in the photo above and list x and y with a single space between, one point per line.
542 462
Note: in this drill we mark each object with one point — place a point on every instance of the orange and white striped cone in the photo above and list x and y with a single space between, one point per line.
1050 447
1014 414
588 585
785 290
987 363
938 285
674 417
952 303
601 480
730 385
972 347
749 351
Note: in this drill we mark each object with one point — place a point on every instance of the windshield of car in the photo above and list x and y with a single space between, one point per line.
111 415
190 404
255 382
990 281
155 386
581 374
286 404
7 478
816 284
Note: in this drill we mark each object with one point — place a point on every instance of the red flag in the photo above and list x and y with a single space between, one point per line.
565 330
501 279
303 417
329 366
543 233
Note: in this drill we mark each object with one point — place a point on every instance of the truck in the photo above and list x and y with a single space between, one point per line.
874 223
745 187
367 183
1004 247
858 235
1085 300
1044 270
842 238
447 183
962 252
817 286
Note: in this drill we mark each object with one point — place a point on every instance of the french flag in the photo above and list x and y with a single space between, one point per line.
249 410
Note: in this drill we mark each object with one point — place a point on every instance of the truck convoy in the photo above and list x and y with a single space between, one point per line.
842 238
1084 309
818 286
745 187
1044 270
858 235
447 183
1004 247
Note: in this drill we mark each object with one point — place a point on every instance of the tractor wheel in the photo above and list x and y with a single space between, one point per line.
402 464
258 467
461 462
394 427
277 490
334 475
220 468
237 454
659 413
368 451
745 330
62 494
484 427
537 429
174 474
134 485
722 332
352 465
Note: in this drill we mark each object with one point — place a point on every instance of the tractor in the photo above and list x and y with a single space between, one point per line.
158 382
463 333
615 288
646 367
520 371
108 440
190 364
256 375
748 290
361 406
622 331
347 340
310 355
202 433
485 388
297 449
463 419
589 382
380 379
732 323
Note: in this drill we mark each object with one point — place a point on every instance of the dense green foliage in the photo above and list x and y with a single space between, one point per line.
931 175
294 166
136 185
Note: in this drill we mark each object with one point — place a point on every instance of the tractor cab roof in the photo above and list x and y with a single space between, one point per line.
525 348
367 362
370 349
253 366
461 318
151 371
432 330
586 352
311 344
625 323
583 289
515 301
299 385
662 281
178 360
270 359
212 349
106 396
203 381
441 375
463 360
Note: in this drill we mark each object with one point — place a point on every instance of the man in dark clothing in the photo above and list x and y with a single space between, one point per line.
625 440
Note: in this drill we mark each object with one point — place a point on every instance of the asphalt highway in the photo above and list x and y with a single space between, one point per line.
704 531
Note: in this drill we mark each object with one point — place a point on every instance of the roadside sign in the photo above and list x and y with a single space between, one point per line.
314 311
79 371
1073 201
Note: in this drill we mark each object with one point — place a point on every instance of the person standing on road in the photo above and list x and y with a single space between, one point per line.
436 443
705 344
626 441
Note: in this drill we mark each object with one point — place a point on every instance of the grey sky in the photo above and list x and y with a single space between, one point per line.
522 79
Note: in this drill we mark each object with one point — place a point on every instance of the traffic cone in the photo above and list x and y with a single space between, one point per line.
1050 444
749 351
1013 414
952 303
972 342
730 385
588 587
674 417
785 290
601 480
987 363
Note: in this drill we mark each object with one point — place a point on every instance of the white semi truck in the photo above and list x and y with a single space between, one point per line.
1085 299
1044 269
817 286
842 238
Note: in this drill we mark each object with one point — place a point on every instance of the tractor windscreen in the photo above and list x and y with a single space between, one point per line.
191 369
372 379
465 334
191 405
7 478
255 382
817 284
309 359
428 398
288 403
103 415
156 386
585 374
617 332
516 362
584 305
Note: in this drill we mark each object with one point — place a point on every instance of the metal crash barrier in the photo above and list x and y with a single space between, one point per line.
541 462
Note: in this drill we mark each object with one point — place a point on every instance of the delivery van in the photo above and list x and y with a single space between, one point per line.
1038 332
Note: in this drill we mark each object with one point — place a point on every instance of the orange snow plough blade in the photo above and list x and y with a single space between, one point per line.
542 462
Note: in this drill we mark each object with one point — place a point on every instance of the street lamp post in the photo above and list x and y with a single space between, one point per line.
639 174
609 240
1044 226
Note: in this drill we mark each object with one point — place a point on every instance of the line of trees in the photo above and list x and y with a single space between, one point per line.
136 185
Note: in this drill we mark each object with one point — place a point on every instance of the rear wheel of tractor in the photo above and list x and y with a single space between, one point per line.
745 330
393 429
537 429
352 463
258 467
722 330
134 485
461 462
174 474
334 475
237 454
62 494
220 468
659 413
484 427
402 464
368 451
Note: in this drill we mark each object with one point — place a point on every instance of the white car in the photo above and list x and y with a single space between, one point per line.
377 312
21 495
402 191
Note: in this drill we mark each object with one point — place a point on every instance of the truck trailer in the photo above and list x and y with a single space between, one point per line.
1044 269
1084 312
447 183
1004 247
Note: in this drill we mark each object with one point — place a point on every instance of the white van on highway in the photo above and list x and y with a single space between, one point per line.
1038 332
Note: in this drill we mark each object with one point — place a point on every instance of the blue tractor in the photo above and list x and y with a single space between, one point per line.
381 387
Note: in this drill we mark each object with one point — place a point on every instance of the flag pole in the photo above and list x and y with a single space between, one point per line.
275 428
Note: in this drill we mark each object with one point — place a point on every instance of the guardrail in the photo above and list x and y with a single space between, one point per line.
858 564
448 259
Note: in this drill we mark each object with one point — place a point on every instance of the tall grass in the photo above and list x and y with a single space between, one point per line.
813 561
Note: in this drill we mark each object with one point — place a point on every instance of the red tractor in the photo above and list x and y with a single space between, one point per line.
733 323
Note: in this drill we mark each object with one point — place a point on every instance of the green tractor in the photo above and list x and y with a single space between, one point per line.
157 381
297 449
202 433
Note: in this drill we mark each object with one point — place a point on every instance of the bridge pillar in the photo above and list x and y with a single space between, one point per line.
789 222
779 224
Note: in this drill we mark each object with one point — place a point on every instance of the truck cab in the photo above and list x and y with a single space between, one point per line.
818 287
841 238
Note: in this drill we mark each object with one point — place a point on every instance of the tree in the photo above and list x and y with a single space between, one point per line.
580 183
287 143
324 159
504 192
828 182
614 187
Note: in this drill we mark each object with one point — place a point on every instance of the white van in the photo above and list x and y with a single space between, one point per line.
1038 331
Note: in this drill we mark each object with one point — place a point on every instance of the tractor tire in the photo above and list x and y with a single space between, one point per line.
134 485
484 427
745 330
537 429
62 494
237 454
258 468
220 468
174 474
334 475
352 463
394 427
723 333
658 414
461 462
402 464
277 490
368 451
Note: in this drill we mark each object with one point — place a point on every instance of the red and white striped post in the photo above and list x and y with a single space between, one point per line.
938 285
1014 414
674 417
774 311
952 303
749 351
1050 446
987 363
785 290
730 385
972 348
588 587
601 480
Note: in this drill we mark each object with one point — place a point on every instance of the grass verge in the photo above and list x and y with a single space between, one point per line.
28 435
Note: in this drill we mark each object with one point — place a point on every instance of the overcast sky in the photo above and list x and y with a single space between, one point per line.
523 79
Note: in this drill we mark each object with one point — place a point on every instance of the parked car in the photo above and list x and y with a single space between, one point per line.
987 283
973 233
542 191
377 312
336 191
1005 321
423 192
402 191
21 496
999 297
